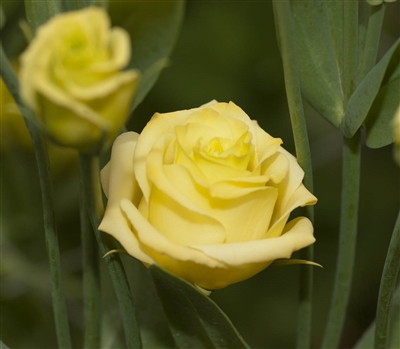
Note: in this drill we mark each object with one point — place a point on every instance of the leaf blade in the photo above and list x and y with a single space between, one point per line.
178 295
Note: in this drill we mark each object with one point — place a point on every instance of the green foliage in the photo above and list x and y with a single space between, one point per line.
153 28
39 12
375 101
319 38
195 320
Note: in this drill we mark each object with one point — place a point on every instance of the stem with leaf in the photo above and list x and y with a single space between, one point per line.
347 240
350 189
372 39
92 200
284 21
50 228
388 284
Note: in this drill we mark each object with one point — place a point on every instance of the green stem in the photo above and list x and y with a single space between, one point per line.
91 279
90 176
372 39
388 283
347 242
284 23
350 47
50 228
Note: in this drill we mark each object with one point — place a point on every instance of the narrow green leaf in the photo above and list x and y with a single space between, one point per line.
382 77
153 27
153 324
195 320
319 52
3 346
367 339
379 122
39 12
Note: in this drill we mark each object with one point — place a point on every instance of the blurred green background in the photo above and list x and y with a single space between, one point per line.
226 51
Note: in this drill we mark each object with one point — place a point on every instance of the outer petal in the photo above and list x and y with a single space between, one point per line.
158 244
121 184
297 234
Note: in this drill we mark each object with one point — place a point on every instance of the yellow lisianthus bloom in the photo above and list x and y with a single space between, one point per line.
206 194
71 75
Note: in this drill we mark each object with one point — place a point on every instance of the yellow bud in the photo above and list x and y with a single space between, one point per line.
71 75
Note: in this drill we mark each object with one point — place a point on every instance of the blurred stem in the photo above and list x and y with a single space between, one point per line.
350 47
91 279
283 18
347 241
387 287
50 228
39 12
90 177
372 39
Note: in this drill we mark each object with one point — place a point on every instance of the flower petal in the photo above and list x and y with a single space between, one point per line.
154 240
122 184
298 233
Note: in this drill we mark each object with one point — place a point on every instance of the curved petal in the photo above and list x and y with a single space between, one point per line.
159 125
150 237
256 204
297 234
189 220
121 184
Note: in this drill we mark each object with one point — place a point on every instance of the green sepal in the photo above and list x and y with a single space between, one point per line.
195 320
153 27
284 262
318 36
375 101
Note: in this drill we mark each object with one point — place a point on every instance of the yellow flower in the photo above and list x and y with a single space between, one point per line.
206 194
396 129
71 76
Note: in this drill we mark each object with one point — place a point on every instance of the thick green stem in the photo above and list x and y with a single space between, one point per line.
372 39
50 228
91 279
350 47
388 284
90 176
347 242
284 21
